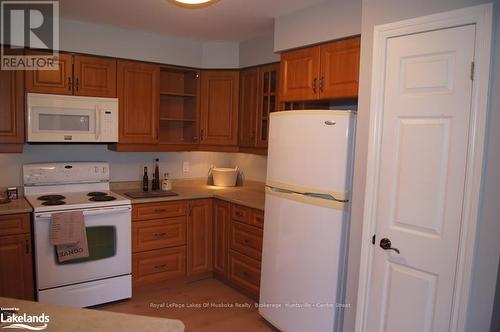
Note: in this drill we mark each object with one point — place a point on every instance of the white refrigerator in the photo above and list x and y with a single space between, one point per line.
306 219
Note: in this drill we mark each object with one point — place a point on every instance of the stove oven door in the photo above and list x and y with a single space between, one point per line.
109 241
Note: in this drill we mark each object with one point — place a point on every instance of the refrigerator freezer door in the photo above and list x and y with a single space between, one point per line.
303 254
311 149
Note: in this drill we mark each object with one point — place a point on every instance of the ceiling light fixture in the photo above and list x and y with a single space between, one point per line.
194 4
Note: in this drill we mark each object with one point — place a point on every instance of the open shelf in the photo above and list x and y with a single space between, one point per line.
178 119
178 94
179 106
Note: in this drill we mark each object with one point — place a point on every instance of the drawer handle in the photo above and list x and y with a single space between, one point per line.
247 241
160 234
239 214
160 210
259 219
161 266
246 274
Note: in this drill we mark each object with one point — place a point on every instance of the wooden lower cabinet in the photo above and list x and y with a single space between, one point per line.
246 240
199 258
159 242
16 263
195 238
157 234
244 273
158 265
221 219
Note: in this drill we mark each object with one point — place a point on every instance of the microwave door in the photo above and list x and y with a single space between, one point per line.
54 124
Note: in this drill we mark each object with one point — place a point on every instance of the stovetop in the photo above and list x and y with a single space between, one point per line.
75 200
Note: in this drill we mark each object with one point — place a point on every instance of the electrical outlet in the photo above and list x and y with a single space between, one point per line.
185 167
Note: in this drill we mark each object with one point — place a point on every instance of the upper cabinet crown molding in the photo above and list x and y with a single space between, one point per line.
326 71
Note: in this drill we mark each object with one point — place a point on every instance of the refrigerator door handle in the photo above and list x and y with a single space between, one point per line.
313 195
326 196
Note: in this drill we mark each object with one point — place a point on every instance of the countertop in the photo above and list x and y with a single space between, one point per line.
251 194
77 319
20 205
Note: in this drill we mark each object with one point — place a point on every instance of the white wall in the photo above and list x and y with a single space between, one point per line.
91 38
375 12
220 55
329 20
128 166
98 39
254 167
258 51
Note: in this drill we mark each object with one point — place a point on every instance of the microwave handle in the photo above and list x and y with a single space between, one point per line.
98 119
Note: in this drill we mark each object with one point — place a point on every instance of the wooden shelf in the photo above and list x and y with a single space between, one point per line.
178 94
177 119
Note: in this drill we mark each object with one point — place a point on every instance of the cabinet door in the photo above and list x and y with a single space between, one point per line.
340 69
268 101
11 107
299 74
95 76
16 271
221 231
199 259
139 94
58 82
249 86
219 107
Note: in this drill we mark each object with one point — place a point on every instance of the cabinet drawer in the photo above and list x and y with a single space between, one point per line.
258 218
158 234
15 224
240 213
246 240
159 210
244 272
158 265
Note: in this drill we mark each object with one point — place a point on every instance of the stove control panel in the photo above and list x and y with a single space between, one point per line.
65 173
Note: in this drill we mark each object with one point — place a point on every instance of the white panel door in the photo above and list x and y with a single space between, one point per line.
421 180
311 149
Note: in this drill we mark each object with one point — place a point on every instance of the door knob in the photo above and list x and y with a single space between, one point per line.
386 244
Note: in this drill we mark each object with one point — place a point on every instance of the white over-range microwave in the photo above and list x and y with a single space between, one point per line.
57 118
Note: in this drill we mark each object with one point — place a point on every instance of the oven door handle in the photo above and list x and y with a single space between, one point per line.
90 212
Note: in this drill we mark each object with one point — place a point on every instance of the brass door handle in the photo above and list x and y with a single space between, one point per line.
386 244
315 82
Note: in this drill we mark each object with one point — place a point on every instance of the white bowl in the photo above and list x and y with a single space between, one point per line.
225 177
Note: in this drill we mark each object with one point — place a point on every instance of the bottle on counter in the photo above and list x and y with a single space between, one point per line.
145 180
156 176
166 184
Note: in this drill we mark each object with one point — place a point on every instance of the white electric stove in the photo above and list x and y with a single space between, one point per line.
105 275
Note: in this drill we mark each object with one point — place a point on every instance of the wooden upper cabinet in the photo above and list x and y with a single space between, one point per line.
11 107
249 85
299 74
219 107
339 77
139 93
199 248
267 101
327 71
58 81
94 76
